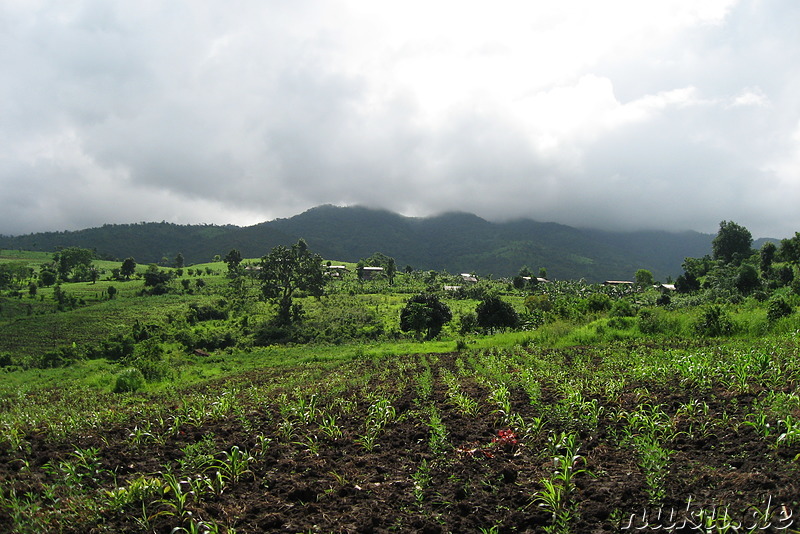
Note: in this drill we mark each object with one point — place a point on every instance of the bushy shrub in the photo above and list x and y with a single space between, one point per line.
657 321
648 321
59 357
468 322
425 314
129 380
777 308
199 313
598 302
115 348
272 333
621 322
538 302
714 322
148 358
622 308
493 312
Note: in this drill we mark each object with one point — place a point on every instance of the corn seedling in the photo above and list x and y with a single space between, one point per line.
501 397
380 413
141 435
311 443
329 427
556 494
422 479
262 444
234 464
437 437
791 434
139 489
174 498
286 429
760 423
368 440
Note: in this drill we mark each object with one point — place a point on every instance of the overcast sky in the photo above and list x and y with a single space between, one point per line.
621 114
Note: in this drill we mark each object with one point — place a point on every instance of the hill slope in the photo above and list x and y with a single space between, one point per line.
456 242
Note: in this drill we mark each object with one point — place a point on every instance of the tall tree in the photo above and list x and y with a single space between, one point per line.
233 259
424 313
493 312
286 270
128 268
767 256
69 258
790 249
732 244
644 278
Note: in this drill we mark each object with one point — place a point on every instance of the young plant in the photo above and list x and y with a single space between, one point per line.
234 464
556 493
437 437
329 427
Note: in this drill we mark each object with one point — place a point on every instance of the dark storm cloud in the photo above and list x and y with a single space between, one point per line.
675 115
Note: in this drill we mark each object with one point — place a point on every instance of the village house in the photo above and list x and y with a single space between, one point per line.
370 273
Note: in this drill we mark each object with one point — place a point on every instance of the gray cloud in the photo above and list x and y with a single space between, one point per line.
622 117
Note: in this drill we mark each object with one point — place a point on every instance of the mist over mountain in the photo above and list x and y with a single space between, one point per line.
455 242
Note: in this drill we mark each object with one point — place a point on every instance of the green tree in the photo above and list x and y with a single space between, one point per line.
766 257
777 308
686 283
67 259
157 279
697 267
644 278
789 249
286 270
424 313
732 244
234 260
179 261
47 276
128 268
747 279
493 312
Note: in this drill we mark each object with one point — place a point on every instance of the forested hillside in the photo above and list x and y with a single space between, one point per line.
455 242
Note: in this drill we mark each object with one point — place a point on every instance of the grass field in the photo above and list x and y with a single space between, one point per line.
584 422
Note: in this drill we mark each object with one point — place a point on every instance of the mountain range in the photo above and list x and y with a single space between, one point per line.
453 242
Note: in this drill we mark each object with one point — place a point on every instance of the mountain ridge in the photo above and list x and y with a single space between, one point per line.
452 241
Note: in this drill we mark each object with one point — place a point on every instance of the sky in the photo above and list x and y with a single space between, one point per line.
619 115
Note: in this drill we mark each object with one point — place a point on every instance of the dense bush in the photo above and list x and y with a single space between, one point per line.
115 348
538 302
205 312
468 322
425 313
714 322
129 380
148 358
657 321
493 312
777 308
59 357
598 302
622 308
